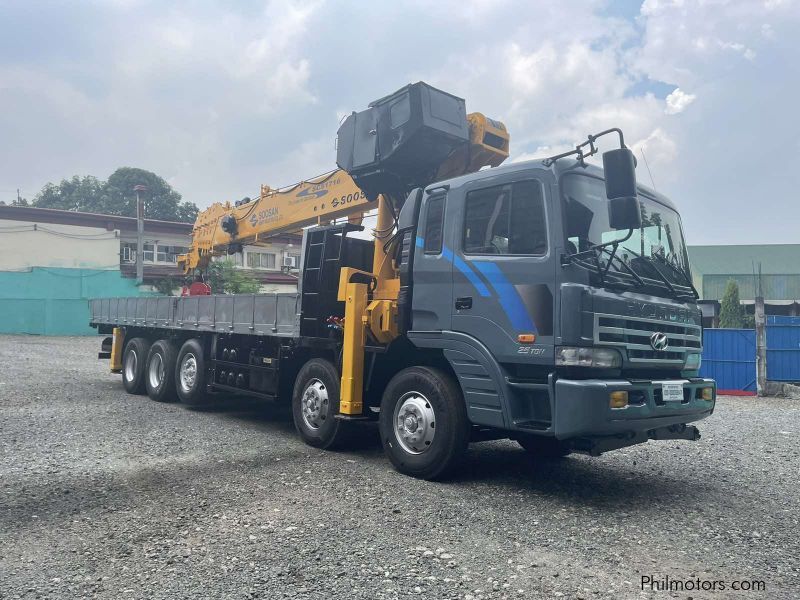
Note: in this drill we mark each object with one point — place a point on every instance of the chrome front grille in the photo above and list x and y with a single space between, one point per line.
633 333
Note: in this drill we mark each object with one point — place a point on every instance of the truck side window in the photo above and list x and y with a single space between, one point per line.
506 219
434 220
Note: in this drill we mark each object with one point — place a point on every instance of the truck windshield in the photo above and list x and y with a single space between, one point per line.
656 252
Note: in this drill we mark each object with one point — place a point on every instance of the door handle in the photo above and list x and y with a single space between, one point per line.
464 303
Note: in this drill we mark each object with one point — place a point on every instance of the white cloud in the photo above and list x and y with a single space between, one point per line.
309 159
677 101
658 149
686 43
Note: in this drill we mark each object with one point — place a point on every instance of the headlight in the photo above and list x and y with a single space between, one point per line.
602 358
693 361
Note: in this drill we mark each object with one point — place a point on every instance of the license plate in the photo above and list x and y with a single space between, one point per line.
672 391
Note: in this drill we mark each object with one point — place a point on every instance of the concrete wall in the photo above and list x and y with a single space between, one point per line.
24 244
272 288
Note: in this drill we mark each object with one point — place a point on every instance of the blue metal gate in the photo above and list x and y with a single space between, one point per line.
783 348
729 357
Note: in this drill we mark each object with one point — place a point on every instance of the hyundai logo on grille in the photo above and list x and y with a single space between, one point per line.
659 341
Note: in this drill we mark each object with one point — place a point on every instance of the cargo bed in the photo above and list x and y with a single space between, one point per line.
253 314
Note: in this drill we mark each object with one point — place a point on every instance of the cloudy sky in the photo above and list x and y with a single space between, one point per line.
221 97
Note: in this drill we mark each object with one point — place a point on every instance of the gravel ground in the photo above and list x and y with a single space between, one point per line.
108 495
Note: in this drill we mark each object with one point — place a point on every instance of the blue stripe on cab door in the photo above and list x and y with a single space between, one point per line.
508 296
467 271
459 263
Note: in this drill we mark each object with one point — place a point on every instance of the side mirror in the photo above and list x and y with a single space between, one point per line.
620 173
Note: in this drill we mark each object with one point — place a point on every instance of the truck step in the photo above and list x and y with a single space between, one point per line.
537 425
352 417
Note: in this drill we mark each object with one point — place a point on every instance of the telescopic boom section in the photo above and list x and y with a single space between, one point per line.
222 227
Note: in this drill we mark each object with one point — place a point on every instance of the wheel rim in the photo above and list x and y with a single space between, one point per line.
131 362
414 423
155 372
188 373
315 404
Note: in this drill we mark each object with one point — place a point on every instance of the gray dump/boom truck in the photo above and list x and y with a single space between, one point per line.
548 301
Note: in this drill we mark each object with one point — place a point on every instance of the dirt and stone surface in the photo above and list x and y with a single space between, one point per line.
108 495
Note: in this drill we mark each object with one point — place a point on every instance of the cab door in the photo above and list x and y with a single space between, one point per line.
433 276
503 266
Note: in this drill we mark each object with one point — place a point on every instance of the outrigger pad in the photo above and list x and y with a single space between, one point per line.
402 139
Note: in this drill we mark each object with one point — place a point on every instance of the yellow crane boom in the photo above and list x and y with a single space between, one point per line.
321 199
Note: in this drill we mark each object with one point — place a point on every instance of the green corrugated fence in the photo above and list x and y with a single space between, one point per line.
54 301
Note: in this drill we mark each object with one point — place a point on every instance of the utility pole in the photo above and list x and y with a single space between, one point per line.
139 233
761 339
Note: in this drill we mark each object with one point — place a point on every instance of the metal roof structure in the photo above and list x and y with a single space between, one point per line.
779 264
775 259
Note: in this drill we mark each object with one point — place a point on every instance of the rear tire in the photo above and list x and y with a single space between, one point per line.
134 358
315 404
423 423
543 447
160 372
190 374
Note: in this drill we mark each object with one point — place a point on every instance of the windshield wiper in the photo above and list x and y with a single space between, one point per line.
595 252
612 255
660 274
663 260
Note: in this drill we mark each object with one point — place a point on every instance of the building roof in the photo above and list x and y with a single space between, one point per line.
84 219
274 277
110 222
743 259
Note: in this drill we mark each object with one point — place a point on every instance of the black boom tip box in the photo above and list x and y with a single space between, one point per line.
399 142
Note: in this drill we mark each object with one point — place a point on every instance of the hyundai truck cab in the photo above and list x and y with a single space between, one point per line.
568 319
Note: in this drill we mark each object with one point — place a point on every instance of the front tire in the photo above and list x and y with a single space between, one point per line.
134 359
315 404
160 371
190 374
423 423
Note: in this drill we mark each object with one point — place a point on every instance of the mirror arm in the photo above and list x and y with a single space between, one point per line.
616 130
595 247
578 151
611 256
614 249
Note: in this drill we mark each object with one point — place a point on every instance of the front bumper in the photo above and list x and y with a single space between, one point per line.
581 407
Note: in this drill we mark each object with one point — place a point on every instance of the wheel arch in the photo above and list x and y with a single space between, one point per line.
475 369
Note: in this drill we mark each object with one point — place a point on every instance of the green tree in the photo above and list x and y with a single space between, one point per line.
117 196
84 194
166 285
187 212
160 200
731 312
225 278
